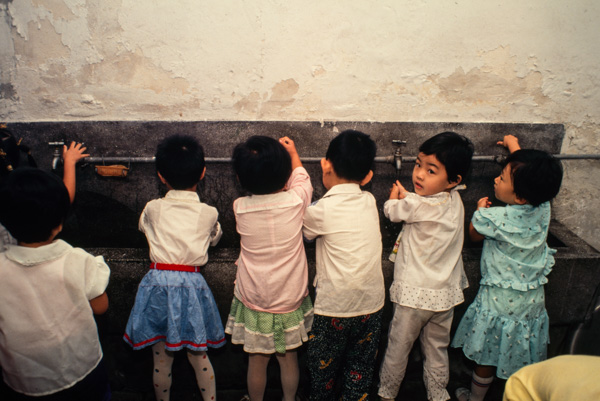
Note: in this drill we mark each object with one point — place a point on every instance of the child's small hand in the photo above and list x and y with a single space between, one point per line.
288 144
398 191
483 203
510 142
74 153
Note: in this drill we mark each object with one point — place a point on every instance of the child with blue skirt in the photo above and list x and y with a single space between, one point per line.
174 307
506 326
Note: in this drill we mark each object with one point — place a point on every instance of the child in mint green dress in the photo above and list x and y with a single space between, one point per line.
506 326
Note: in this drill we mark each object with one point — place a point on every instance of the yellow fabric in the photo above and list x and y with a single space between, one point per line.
563 378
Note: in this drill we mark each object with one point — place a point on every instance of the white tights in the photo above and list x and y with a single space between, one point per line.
163 361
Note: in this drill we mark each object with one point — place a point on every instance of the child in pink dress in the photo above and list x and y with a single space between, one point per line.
271 312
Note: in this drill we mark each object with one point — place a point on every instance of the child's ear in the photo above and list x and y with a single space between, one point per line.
519 200
326 165
452 184
202 175
162 179
56 230
367 178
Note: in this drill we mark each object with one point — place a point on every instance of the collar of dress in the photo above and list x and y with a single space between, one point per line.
188 196
34 256
349 188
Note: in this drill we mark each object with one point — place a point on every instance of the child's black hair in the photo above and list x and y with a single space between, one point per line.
262 165
180 161
34 203
454 151
12 153
536 175
352 154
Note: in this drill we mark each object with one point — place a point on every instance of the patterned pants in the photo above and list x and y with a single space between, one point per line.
433 330
344 350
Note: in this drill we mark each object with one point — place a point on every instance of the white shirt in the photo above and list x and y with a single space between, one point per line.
48 336
272 274
349 279
179 228
428 270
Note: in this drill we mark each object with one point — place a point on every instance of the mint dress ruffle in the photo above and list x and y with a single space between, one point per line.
507 324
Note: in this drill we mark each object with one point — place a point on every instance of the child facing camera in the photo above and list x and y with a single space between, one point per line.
49 346
428 272
506 326
350 291
174 307
271 312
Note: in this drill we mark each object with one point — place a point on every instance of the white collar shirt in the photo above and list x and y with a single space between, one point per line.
349 279
48 336
179 228
428 270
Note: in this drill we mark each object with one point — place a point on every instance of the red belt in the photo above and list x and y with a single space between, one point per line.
178 268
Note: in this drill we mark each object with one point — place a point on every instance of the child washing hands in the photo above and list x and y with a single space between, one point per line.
10 152
174 307
428 272
506 326
271 312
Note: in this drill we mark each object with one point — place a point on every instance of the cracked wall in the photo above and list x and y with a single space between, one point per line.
190 60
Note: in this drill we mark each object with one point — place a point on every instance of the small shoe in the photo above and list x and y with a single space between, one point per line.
245 398
462 394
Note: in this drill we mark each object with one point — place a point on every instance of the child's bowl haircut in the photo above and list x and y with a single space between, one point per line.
180 161
34 203
454 151
536 175
262 165
352 154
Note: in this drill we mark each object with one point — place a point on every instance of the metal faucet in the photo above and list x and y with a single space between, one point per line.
57 154
398 155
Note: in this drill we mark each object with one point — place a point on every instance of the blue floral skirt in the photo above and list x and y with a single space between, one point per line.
505 328
177 308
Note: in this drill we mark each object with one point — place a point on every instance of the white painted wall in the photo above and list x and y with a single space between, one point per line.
366 60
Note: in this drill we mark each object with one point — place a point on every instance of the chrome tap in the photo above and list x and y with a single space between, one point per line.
57 154
398 155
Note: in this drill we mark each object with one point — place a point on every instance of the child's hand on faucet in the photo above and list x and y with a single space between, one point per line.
74 153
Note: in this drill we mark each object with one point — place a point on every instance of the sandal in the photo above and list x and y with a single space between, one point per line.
462 394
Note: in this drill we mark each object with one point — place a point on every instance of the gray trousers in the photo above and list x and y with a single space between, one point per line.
433 330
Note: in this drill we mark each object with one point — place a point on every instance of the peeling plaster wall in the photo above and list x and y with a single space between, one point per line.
389 60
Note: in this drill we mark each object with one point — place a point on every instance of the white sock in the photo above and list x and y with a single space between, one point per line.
479 387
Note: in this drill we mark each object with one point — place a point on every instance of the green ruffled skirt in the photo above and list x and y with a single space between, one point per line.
267 333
